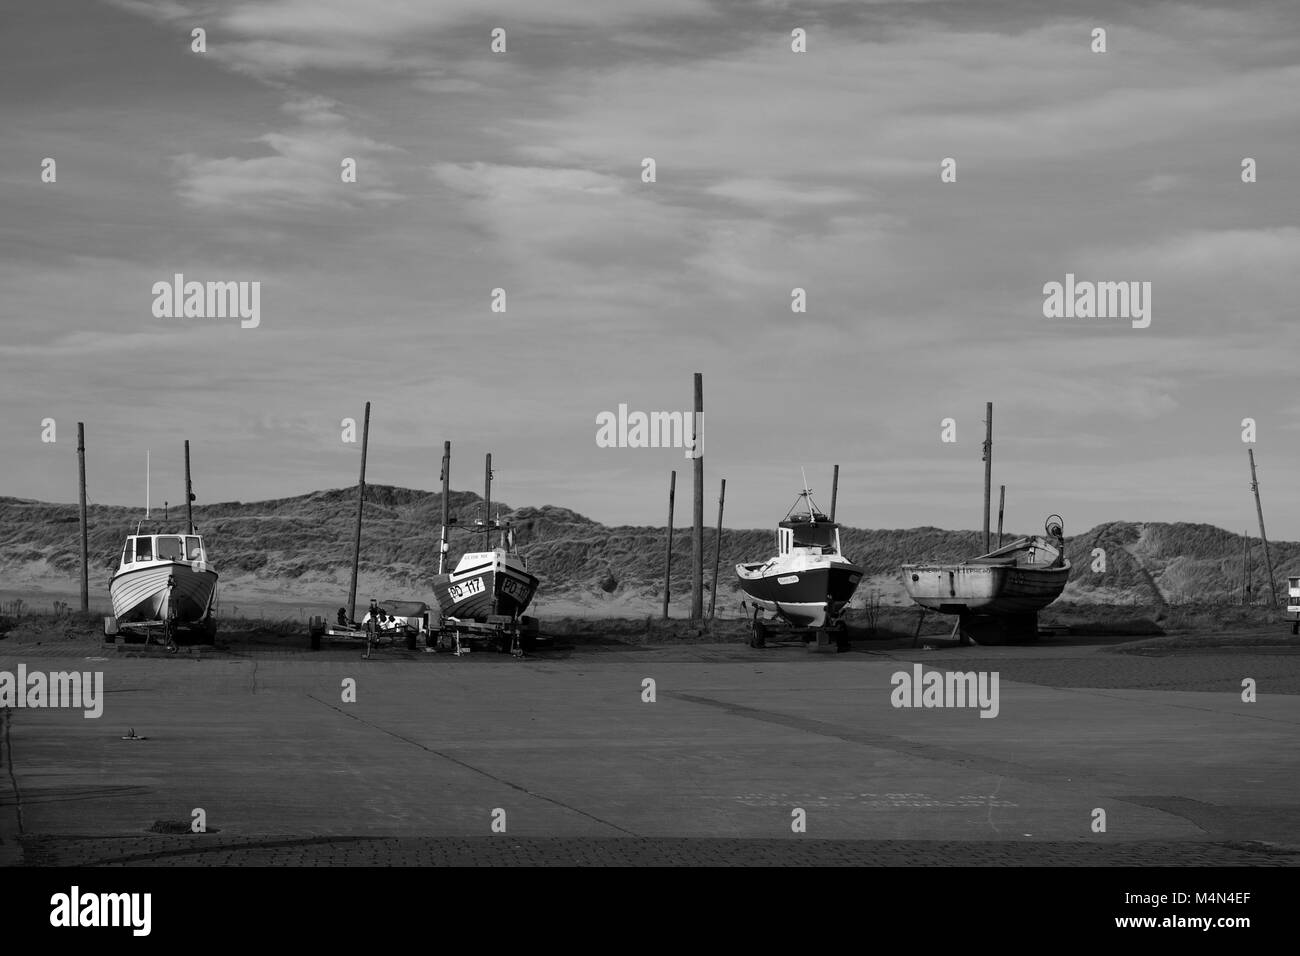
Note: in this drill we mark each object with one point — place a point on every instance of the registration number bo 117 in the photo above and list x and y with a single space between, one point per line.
465 589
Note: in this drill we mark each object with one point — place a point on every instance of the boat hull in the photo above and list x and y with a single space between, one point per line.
140 593
984 589
468 593
805 597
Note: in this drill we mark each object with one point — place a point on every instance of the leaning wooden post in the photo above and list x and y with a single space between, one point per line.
717 551
1263 538
668 543
85 546
361 498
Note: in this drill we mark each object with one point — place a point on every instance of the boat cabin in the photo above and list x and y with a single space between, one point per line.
186 548
814 532
1293 595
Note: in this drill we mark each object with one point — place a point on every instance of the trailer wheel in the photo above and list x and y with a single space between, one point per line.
1295 628
760 634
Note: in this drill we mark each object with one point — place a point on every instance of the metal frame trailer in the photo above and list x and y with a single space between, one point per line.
832 636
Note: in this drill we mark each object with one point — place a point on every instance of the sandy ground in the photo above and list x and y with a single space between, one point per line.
566 751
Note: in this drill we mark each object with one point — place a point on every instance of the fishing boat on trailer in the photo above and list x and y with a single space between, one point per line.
1020 578
489 590
164 583
809 582
164 579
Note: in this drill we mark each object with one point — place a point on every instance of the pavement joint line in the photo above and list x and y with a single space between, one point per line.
1101 692
472 768
912 748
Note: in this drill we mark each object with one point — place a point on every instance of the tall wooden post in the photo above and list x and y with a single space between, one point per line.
717 549
85 546
697 533
1002 504
189 493
668 543
361 499
487 514
1263 538
988 471
835 490
446 493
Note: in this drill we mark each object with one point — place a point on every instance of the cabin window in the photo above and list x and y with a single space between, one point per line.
129 551
193 552
169 549
144 549
815 536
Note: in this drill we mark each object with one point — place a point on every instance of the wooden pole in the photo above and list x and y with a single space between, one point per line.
1002 504
487 499
1263 538
85 545
361 499
446 493
697 533
189 492
668 543
988 471
487 515
835 490
717 549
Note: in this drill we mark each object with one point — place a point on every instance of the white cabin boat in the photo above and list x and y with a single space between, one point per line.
164 578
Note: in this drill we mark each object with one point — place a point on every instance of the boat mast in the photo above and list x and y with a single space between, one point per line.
487 503
835 491
446 492
988 471
189 492
361 501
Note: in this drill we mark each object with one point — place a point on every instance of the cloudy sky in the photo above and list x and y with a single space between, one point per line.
522 170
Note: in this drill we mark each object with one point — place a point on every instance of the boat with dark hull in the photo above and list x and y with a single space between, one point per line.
484 583
809 582
491 585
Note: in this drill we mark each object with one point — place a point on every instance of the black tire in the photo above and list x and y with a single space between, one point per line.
760 635
1295 628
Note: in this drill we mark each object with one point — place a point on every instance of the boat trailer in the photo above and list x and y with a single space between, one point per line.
832 637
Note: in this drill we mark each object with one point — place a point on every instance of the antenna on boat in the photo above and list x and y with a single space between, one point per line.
146 484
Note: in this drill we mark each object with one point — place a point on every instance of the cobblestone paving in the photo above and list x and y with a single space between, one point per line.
507 851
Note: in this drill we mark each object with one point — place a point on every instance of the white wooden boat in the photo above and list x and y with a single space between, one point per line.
162 578
1019 578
